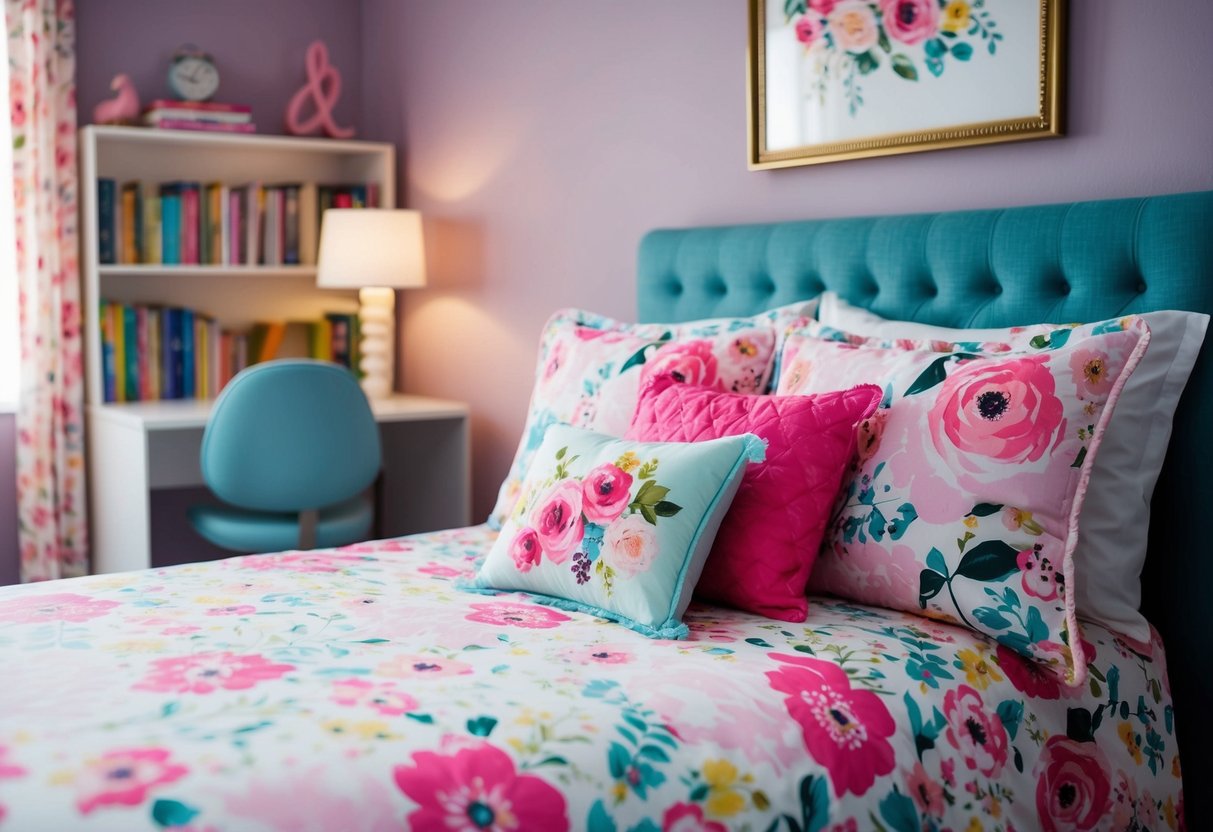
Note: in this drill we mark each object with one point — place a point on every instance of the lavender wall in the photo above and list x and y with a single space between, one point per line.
542 139
258 46
9 558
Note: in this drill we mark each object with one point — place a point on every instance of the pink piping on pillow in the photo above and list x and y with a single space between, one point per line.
1078 658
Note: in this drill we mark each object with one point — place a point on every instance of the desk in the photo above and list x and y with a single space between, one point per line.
142 450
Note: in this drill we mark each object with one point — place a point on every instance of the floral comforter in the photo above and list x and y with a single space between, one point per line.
360 689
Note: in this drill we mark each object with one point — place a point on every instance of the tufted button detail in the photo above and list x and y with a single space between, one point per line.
1065 288
766 286
1141 287
997 290
674 288
931 290
717 287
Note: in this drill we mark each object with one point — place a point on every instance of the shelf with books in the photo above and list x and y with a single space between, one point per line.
236 292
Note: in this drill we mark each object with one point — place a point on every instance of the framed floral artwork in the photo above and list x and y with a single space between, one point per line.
846 79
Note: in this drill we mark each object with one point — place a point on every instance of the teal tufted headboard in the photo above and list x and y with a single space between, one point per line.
1084 261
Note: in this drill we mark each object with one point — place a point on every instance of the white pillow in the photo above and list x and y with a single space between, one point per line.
1110 552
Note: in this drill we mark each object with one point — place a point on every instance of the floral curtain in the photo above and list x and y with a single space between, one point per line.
50 428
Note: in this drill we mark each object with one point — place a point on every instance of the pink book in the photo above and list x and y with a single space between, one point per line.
207 126
235 214
145 377
189 249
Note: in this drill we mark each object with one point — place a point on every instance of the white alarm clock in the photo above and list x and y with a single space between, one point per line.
193 75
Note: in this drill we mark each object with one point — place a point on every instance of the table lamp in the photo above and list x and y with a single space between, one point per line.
376 251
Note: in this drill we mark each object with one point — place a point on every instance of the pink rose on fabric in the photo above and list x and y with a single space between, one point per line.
58 606
234 609
809 29
1090 371
530 616
557 521
300 562
478 788
1073 790
910 21
525 549
555 361
629 545
598 654
417 666
845 730
688 817
974 732
604 493
1005 411
1039 577
869 433
1030 678
208 672
854 26
124 777
440 570
822 7
927 794
687 362
382 696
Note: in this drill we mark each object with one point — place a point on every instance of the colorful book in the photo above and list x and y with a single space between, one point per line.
106 244
174 358
170 214
117 328
107 352
141 354
195 106
309 224
190 217
130 348
183 114
290 225
132 223
150 252
342 328
155 373
320 341
188 386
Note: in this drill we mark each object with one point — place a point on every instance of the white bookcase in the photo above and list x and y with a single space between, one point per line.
140 453
236 296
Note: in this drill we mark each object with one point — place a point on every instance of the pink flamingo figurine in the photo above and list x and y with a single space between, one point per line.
122 108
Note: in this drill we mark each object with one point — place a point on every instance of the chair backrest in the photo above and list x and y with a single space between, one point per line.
290 435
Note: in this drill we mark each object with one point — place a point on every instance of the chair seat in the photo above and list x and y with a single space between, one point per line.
240 530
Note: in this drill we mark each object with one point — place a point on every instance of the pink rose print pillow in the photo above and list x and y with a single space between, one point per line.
968 484
616 528
591 368
768 541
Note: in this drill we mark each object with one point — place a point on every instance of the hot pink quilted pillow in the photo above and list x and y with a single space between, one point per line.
768 541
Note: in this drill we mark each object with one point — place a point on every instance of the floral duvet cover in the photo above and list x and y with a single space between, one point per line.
360 689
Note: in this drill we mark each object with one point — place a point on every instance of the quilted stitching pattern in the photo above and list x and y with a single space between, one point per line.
767 543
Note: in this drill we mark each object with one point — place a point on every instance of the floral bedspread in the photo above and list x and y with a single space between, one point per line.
360 689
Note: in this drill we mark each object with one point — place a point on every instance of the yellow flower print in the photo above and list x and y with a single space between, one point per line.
955 16
628 463
970 522
723 800
1129 737
979 670
371 729
1175 766
746 347
620 791
974 825
1169 812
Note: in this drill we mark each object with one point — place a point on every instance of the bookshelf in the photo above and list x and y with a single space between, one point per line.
143 455
237 296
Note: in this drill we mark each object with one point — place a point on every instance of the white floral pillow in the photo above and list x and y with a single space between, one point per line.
618 528
591 369
969 483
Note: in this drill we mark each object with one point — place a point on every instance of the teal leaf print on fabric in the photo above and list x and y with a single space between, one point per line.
170 813
899 813
481 726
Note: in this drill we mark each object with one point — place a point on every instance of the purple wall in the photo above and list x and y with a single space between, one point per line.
10 562
258 47
542 139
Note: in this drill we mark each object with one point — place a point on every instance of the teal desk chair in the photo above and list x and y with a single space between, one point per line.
291 446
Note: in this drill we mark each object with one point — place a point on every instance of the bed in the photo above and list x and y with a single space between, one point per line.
362 688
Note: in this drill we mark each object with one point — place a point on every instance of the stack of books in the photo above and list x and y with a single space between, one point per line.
151 353
168 114
192 223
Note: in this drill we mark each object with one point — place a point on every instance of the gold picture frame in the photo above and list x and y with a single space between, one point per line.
808 40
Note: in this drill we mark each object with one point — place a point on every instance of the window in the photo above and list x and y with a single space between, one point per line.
10 350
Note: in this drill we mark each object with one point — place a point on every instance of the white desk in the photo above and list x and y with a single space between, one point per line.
142 450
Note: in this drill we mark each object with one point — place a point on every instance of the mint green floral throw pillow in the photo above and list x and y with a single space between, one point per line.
616 528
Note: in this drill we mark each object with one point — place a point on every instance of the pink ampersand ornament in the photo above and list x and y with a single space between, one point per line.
322 89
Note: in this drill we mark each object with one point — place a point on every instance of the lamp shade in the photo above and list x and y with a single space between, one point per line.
361 247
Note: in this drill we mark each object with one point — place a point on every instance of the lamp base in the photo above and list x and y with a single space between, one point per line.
377 318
